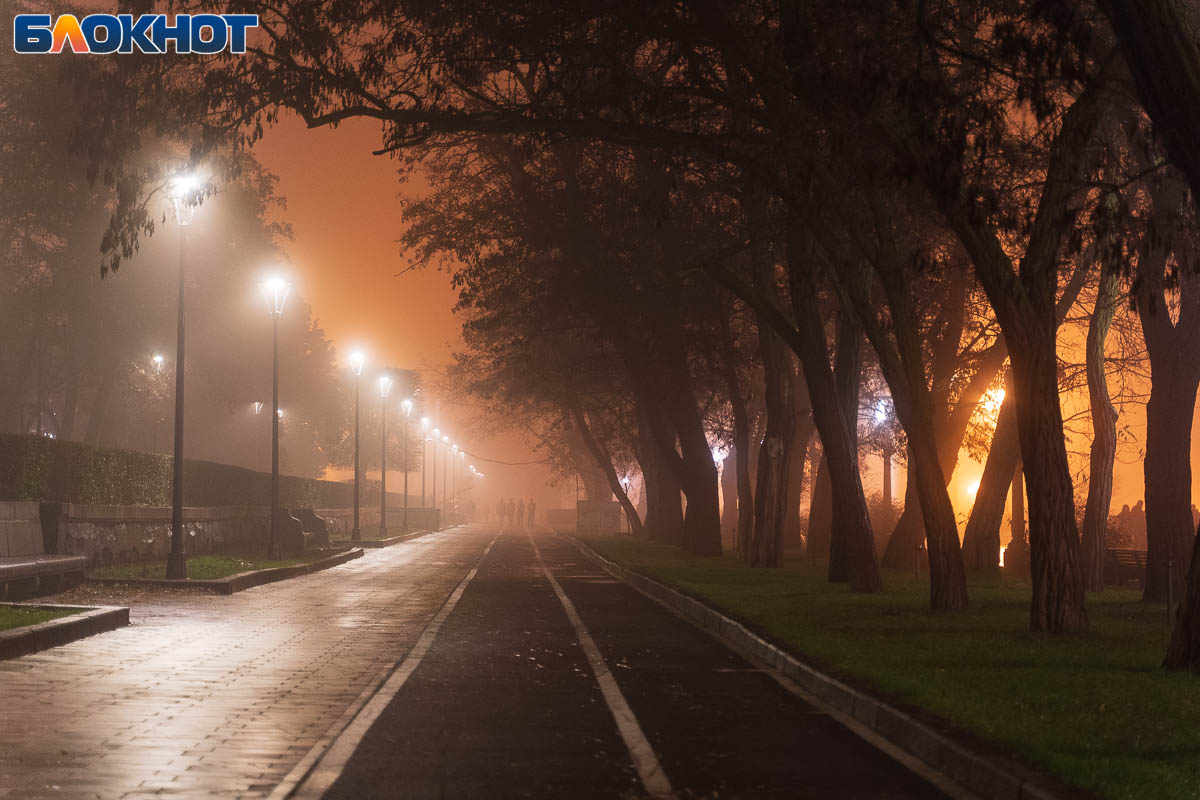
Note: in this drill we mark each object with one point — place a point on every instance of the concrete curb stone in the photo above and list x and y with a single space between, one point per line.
90 620
988 775
241 581
377 543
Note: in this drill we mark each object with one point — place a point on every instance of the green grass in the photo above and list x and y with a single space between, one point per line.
1094 708
209 567
20 617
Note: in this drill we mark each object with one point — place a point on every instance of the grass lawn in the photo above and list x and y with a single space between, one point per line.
1093 708
20 617
207 567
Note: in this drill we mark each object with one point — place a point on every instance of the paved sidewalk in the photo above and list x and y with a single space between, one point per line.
218 696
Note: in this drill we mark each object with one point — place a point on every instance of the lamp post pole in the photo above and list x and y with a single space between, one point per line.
424 439
356 365
406 407
275 440
433 473
275 290
385 385
182 197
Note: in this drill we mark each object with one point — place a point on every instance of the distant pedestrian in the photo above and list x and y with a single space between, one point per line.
532 512
509 511
521 513
500 511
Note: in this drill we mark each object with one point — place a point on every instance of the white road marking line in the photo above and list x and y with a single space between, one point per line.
324 763
644 760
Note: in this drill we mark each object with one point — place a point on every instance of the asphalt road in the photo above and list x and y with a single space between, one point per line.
551 679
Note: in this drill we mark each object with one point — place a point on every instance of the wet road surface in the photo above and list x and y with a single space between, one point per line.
506 703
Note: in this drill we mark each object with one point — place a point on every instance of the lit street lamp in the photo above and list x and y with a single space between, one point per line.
275 290
385 386
356 365
407 406
158 362
183 194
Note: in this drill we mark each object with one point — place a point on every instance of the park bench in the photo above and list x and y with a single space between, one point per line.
315 529
1123 565
26 570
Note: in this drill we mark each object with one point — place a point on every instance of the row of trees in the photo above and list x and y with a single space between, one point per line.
682 222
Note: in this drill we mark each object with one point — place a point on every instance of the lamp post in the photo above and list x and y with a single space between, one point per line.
183 196
385 386
356 365
424 439
433 474
406 406
275 290
446 498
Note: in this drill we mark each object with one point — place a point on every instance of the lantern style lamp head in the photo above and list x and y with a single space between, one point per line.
280 413
454 447
158 362
385 385
462 455
445 439
407 405
357 359
424 423
258 407
185 196
275 289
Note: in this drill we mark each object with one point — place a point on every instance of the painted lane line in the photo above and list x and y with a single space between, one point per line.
644 760
324 763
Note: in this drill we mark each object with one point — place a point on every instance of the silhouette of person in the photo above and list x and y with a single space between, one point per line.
500 511
533 508
521 513
510 511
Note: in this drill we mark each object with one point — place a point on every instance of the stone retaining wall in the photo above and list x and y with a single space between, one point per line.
20 530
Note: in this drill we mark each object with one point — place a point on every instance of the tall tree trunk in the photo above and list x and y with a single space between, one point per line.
664 512
1168 470
792 531
909 533
981 540
739 457
820 513
1054 552
847 371
600 454
1174 351
851 525
729 497
1104 431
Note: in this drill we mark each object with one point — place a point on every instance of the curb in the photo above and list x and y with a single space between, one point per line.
948 750
373 544
241 581
32 638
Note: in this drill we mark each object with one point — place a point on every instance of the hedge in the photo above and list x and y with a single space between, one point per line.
43 469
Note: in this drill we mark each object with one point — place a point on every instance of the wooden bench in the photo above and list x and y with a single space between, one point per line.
26 570
1122 565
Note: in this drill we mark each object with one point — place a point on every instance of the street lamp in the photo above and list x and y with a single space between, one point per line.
158 362
275 290
433 473
406 405
424 439
356 365
183 193
385 386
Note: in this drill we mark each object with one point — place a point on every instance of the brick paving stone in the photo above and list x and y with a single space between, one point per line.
204 695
